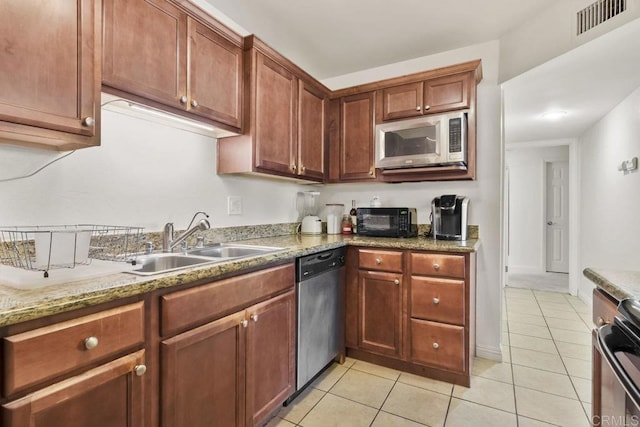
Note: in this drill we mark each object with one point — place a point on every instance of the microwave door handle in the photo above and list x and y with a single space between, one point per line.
611 339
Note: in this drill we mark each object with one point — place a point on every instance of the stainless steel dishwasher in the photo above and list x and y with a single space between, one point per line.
320 313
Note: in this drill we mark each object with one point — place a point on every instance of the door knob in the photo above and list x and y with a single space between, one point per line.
549 222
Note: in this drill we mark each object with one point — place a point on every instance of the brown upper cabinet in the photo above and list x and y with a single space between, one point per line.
285 117
356 146
426 97
50 75
160 54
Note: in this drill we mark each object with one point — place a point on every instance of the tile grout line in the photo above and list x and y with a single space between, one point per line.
513 379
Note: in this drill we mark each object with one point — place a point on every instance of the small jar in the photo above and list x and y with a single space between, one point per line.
346 224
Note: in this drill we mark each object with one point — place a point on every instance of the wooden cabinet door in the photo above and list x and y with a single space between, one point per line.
214 75
447 93
437 344
203 375
49 75
312 108
107 396
270 357
402 101
275 111
357 161
145 44
380 312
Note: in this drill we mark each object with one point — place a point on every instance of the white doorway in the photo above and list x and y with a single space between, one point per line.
537 193
557 218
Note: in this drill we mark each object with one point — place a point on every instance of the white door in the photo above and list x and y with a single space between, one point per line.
557 226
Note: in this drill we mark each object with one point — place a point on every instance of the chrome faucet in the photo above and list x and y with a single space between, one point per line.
169 243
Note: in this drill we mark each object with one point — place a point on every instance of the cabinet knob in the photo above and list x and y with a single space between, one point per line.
436 301
436 345
371 172
303 168
194 103
600 321
91 343
378 261
244 323
294 167
254 317
183 99
436 266
140 370
89 121
418 108
426 107
396 282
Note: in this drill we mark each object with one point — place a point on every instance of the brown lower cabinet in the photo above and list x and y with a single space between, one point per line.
233 371
412 311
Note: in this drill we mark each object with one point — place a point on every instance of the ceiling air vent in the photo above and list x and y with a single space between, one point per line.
599 12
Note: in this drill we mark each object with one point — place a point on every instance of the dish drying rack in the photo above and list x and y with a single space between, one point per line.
44 248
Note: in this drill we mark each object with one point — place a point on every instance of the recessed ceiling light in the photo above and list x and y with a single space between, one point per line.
553 114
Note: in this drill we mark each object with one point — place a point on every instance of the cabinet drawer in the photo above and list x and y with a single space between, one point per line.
192 307
604 308
380 260
441 300
438 345
433 264
45 353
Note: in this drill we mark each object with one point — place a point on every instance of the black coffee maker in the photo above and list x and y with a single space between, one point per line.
449 217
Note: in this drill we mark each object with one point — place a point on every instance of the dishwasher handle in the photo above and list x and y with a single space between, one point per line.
619 338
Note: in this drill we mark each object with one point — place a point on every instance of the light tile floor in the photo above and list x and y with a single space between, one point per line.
545 379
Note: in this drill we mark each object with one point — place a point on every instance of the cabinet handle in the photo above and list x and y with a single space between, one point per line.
436 345
140 370
254 317
378 261
91 343
436 266
436 301
194 103
426 107
600 321
89 121
183 99
244 323
418 108
396 282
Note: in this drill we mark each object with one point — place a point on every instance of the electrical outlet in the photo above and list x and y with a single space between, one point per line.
234 205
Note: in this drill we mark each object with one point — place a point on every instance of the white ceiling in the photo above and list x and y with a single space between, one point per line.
329 38
586 82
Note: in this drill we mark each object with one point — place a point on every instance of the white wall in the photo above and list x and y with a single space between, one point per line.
610 200
483 192
527 169
143 174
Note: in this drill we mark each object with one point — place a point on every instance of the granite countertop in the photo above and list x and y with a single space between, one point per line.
20 304
618 284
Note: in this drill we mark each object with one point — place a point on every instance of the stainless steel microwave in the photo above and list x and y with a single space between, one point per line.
439 139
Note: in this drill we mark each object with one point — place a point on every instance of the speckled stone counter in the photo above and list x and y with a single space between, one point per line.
19 305
618 284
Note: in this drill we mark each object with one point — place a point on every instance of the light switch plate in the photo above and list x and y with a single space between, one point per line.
234 205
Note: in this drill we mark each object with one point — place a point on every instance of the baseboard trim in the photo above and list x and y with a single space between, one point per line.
490 353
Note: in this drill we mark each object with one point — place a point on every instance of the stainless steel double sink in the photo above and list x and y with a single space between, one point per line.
165 262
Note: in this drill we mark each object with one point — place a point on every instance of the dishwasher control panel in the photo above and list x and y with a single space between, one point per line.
314 264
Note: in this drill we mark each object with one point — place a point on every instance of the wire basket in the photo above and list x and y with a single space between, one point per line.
43 248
